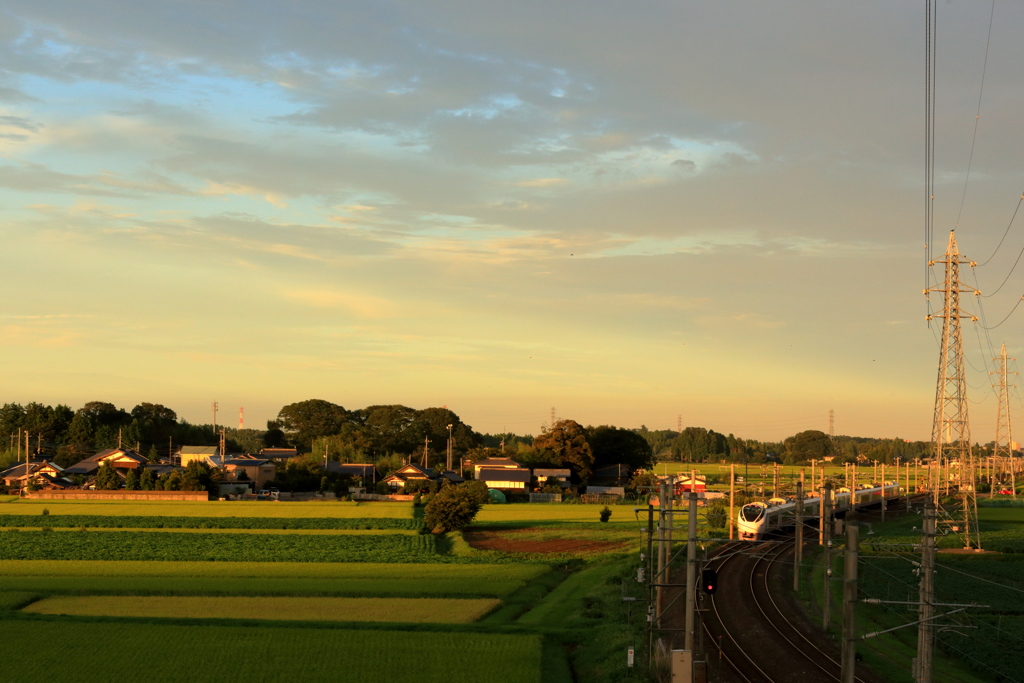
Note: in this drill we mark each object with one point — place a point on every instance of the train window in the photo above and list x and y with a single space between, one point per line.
752 513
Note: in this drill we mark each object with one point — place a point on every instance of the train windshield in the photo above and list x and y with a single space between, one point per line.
752 513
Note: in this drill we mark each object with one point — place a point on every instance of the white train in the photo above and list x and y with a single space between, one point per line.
756 519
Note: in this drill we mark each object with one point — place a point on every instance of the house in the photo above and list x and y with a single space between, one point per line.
46 474
505 478
494 463
189 454
417 473
408 473
561 475
367 473
249 471
121 459
279 454
685 485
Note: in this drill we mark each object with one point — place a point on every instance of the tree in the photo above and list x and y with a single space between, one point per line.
808 445
567 444
107 478
131 481
304 421
147 480
612 446
452 509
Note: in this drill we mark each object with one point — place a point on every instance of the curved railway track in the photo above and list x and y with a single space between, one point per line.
750 630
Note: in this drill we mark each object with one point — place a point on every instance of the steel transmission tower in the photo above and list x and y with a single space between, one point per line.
1004 435
951 430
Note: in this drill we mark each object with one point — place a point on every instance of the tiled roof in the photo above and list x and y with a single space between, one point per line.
496 462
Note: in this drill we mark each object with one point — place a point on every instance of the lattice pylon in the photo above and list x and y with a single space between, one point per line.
1003 451
951 429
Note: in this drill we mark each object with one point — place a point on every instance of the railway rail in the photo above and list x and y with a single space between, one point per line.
749 630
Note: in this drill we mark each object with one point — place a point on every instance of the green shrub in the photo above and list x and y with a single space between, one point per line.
606 513
451 509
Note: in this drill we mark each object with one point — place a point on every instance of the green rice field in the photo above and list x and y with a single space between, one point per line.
215 508
289 581
159 653
393 610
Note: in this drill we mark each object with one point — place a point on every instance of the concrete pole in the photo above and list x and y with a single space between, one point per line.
691 572
849 654
732 501
659 578
669 524
826 520
883 491
925 629
798 550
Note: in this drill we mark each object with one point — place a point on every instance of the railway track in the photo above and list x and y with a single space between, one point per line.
749 630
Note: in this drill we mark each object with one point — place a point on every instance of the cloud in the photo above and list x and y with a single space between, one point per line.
359 305
542 182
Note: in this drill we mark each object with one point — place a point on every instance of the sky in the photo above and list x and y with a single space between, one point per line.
636 213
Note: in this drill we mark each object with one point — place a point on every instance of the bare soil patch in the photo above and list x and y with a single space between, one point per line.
506 541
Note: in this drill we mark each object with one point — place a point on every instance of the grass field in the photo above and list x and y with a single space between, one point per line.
280 509
393 610
178 546
368 570
527 514
158 653
75 521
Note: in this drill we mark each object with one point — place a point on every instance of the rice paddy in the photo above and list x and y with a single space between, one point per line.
393 610
214 508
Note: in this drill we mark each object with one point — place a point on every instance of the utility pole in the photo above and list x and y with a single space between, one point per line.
826 546
691 571
214 406
449 449
223 445
883 489
732 501
951 430
659 578
925 638
798 550
426 445
849 653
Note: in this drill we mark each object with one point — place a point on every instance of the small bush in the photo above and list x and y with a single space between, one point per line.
606 513
451 509
45 511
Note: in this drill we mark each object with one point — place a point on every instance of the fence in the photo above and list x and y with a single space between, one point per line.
545 497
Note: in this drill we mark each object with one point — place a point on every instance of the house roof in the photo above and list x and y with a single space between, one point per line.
245 462
199 450
415 471
162 468
552 473
92 463
453 477
504 474
496 462
351 469
279 452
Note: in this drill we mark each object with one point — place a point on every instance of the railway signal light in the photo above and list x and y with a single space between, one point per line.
709 581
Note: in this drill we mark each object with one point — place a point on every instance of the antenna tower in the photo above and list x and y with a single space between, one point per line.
951 430
241 418
1004 435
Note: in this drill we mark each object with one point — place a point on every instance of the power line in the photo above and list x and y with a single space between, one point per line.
977 115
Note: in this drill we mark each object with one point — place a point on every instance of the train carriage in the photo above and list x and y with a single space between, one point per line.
757 518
